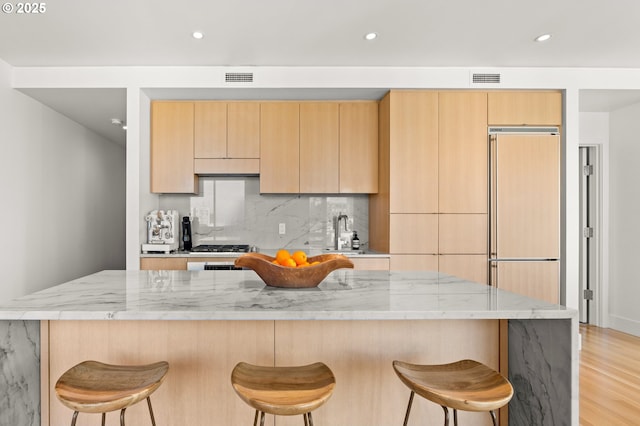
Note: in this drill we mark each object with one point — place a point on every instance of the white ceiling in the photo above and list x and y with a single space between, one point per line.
465 33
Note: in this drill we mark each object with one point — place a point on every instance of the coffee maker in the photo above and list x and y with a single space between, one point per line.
187 243
162 231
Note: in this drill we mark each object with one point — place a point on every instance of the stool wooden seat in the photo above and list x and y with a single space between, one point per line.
284 391
464 385
94 387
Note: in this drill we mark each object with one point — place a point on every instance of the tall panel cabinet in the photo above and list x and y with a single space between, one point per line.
462 184
431 210
403 215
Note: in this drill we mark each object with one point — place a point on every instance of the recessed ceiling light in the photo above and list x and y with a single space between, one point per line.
543 37
197 35
371 36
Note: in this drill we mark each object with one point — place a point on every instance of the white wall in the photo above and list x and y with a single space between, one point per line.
624 253
63 196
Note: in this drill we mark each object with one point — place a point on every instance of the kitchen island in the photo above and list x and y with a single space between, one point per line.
357 322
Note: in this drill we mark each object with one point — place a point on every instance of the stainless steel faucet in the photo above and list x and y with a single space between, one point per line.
336 229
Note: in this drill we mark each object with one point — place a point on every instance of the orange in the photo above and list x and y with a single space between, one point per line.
289 262
282 255
300 257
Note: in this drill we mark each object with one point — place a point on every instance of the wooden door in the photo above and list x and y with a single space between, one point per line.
413 152
319 147
172 152
210 130
527 205
243 129
462 152
279 147
519 108
359 147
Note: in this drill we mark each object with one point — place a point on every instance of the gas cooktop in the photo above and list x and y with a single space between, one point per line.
222 248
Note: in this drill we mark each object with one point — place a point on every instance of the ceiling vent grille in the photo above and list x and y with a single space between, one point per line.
238 77
486 78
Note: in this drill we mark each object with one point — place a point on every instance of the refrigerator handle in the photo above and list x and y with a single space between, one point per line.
493 274
493 186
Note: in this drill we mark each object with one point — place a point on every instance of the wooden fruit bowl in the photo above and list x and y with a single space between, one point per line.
284 276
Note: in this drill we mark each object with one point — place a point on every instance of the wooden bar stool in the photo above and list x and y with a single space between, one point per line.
94 387
283 391
464 385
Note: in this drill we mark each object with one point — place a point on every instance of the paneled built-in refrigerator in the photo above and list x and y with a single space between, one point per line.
524 211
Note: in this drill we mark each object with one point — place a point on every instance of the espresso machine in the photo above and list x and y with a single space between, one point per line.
163 232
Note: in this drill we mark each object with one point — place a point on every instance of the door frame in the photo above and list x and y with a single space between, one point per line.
599 311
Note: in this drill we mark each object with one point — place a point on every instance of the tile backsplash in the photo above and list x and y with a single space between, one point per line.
232 210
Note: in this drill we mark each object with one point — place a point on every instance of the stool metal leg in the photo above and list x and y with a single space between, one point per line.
262 418
455 417
304 416
446 415
255 419
406 416
493 418
153 419
310 418
73 419
104 418
122 416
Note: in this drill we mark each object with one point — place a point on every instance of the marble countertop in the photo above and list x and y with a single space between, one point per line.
241 295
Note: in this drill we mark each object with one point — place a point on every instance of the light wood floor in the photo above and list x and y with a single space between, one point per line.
609 377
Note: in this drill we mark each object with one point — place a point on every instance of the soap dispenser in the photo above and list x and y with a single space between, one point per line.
355 241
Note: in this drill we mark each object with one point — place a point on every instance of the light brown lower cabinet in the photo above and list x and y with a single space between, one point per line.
370 264
201 355
180 263
414 262
176 263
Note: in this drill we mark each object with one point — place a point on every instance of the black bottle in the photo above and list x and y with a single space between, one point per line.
186 233
355 241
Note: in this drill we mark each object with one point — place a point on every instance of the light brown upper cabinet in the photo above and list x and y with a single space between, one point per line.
517 108
462 152
319 147
227 137
210 131
279 147
413 151
359 147
172 168
335 146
